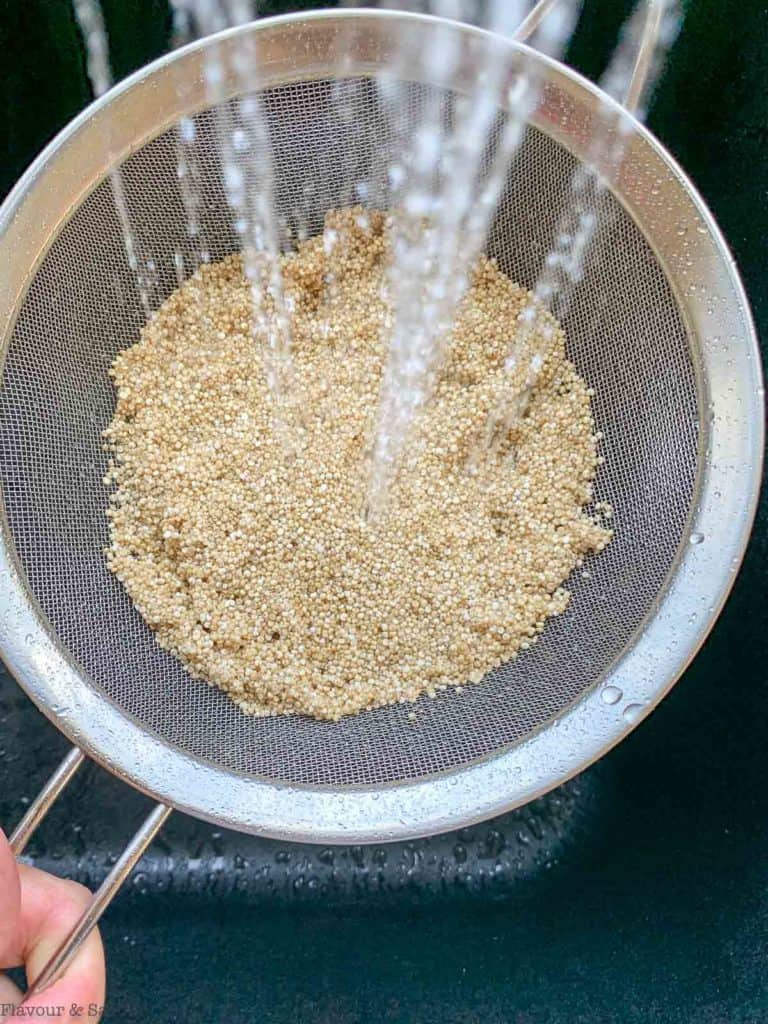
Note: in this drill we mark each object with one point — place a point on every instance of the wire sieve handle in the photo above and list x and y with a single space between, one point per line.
654 13
652 25
533 19
44 800
108 888
100 901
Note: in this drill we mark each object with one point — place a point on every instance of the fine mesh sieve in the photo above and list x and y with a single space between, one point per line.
659 326
82 309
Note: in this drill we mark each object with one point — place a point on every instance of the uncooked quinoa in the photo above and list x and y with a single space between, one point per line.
257 569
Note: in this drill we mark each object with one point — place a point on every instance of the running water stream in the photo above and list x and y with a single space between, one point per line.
445 173
247 165
445 189
91 23
629 79
187 162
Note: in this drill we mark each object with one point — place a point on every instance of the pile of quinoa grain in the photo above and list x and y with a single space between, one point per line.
257 569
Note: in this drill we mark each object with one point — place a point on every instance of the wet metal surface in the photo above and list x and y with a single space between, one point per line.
81 839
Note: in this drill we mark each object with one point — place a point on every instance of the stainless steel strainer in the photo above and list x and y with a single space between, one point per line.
659 325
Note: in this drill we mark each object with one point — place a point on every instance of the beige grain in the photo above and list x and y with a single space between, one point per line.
256 568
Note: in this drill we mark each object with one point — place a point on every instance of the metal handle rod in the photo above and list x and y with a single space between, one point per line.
646 50
45 800
100 900
533 19
648 40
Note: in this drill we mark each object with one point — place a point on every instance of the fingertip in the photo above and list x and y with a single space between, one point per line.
51 908
80 992
76 996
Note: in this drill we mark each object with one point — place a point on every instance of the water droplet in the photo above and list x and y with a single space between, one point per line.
460 853
633 713
611 694
696 538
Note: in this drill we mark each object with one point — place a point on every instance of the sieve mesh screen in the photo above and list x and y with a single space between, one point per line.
625 334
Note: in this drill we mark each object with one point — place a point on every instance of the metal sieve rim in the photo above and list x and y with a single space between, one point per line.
698 584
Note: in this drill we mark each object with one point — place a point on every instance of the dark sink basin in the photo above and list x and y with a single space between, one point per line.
636 893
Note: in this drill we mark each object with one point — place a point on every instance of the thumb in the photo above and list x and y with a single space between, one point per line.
10 905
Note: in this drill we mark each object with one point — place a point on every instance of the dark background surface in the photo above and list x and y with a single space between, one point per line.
638 893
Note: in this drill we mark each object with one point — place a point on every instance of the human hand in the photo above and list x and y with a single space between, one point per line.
37 912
